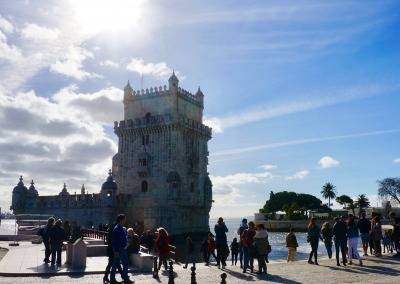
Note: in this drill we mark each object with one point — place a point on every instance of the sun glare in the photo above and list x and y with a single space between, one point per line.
107 15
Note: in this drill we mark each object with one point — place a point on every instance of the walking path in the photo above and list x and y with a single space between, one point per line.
27 259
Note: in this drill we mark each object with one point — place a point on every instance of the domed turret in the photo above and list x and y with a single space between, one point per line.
127 92
64 191
173 82
20 188
110 183
19 195
32 190
109 190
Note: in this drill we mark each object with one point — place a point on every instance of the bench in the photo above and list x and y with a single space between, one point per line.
141 260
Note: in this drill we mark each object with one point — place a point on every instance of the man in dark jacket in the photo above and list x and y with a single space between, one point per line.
340 233
364 225
57 236
46 239
110 254
119 244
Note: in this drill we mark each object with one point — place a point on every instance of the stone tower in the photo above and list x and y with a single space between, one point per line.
162 158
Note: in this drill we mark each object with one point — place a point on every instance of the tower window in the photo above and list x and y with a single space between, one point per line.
144 186
109 194
145 140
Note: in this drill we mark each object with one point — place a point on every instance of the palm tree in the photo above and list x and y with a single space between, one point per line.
328 191
361 202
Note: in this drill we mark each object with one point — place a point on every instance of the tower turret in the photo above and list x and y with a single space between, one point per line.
127 92
83 189
200 97
19 195
32 190
173 82
109 190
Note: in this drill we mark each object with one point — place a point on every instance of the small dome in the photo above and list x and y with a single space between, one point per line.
64 191
110 183
173 177
32 190
173 77
128 87
20 187
199 93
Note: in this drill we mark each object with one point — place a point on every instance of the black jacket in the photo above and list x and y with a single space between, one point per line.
364 225
57 235
340 230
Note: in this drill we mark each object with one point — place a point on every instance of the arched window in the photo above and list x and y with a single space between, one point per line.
144 186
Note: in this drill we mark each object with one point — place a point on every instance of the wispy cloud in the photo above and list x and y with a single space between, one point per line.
396 160
159 70
328 97
299 175
328 162
268 167
39 33
109 63
302 141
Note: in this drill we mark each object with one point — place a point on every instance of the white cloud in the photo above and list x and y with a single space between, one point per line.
71 64
36 33
268 167
159 70
299 175
242 178
109 63
328 162
396 160
5 25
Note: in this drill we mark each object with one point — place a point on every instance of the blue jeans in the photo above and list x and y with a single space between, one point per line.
190 257
329 250
56 249
340 246
125 263
248 257
241 256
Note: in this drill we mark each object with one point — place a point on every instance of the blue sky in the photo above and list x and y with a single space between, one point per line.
299 93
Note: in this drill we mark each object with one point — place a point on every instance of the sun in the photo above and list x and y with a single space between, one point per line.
96 16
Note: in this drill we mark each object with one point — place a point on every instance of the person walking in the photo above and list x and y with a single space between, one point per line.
313 238
162 245
243 226
204 250
119 244
211 248
221 243
190 255
327 235
364 226
377 235
371 235
234 250
291 244
340 233
110 254
248 247
396 232
150 241
46 239
353 235
57 236
261 248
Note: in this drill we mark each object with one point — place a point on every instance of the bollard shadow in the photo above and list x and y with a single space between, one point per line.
277 279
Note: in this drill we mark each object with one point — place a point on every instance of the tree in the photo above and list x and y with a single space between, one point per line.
389 188
328 191
361 202
346 202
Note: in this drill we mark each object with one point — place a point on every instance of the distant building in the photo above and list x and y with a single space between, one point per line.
159 175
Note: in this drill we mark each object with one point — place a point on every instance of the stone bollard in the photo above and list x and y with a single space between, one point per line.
79 254
171 274
193 279
223 277
70 253
155 271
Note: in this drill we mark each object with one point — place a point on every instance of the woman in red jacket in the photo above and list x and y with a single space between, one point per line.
162 245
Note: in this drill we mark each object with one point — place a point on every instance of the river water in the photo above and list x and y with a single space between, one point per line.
7 227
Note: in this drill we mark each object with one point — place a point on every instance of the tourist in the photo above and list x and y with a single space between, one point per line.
327 235
243 226
204 250
340 233
134 244
57 236
377 235
221 243
371 235
46 239
386 242
313 238
150 240
162 245
291 244
67 230
353 235
144 241
364 225
110 254
119 244
211 248
248 248
396 232
190 254
261 248
234 250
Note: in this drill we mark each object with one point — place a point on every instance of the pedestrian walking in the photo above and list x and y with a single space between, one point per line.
248 247
291 244
243 226
377 235
162 245
313 238
57 236
211 248
261 248
190 252
204 250
110 254
353 235
340 233
327 235
46 239
234 251
364 226
221 243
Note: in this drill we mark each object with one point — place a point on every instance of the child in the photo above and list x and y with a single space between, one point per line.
190 255
211 247
204 250
235 250
291 244
391 242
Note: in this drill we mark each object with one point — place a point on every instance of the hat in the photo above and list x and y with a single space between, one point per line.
244 220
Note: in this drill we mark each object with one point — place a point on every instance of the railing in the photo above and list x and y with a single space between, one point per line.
174 251
94 234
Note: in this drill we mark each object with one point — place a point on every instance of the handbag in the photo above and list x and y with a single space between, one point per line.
269 249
